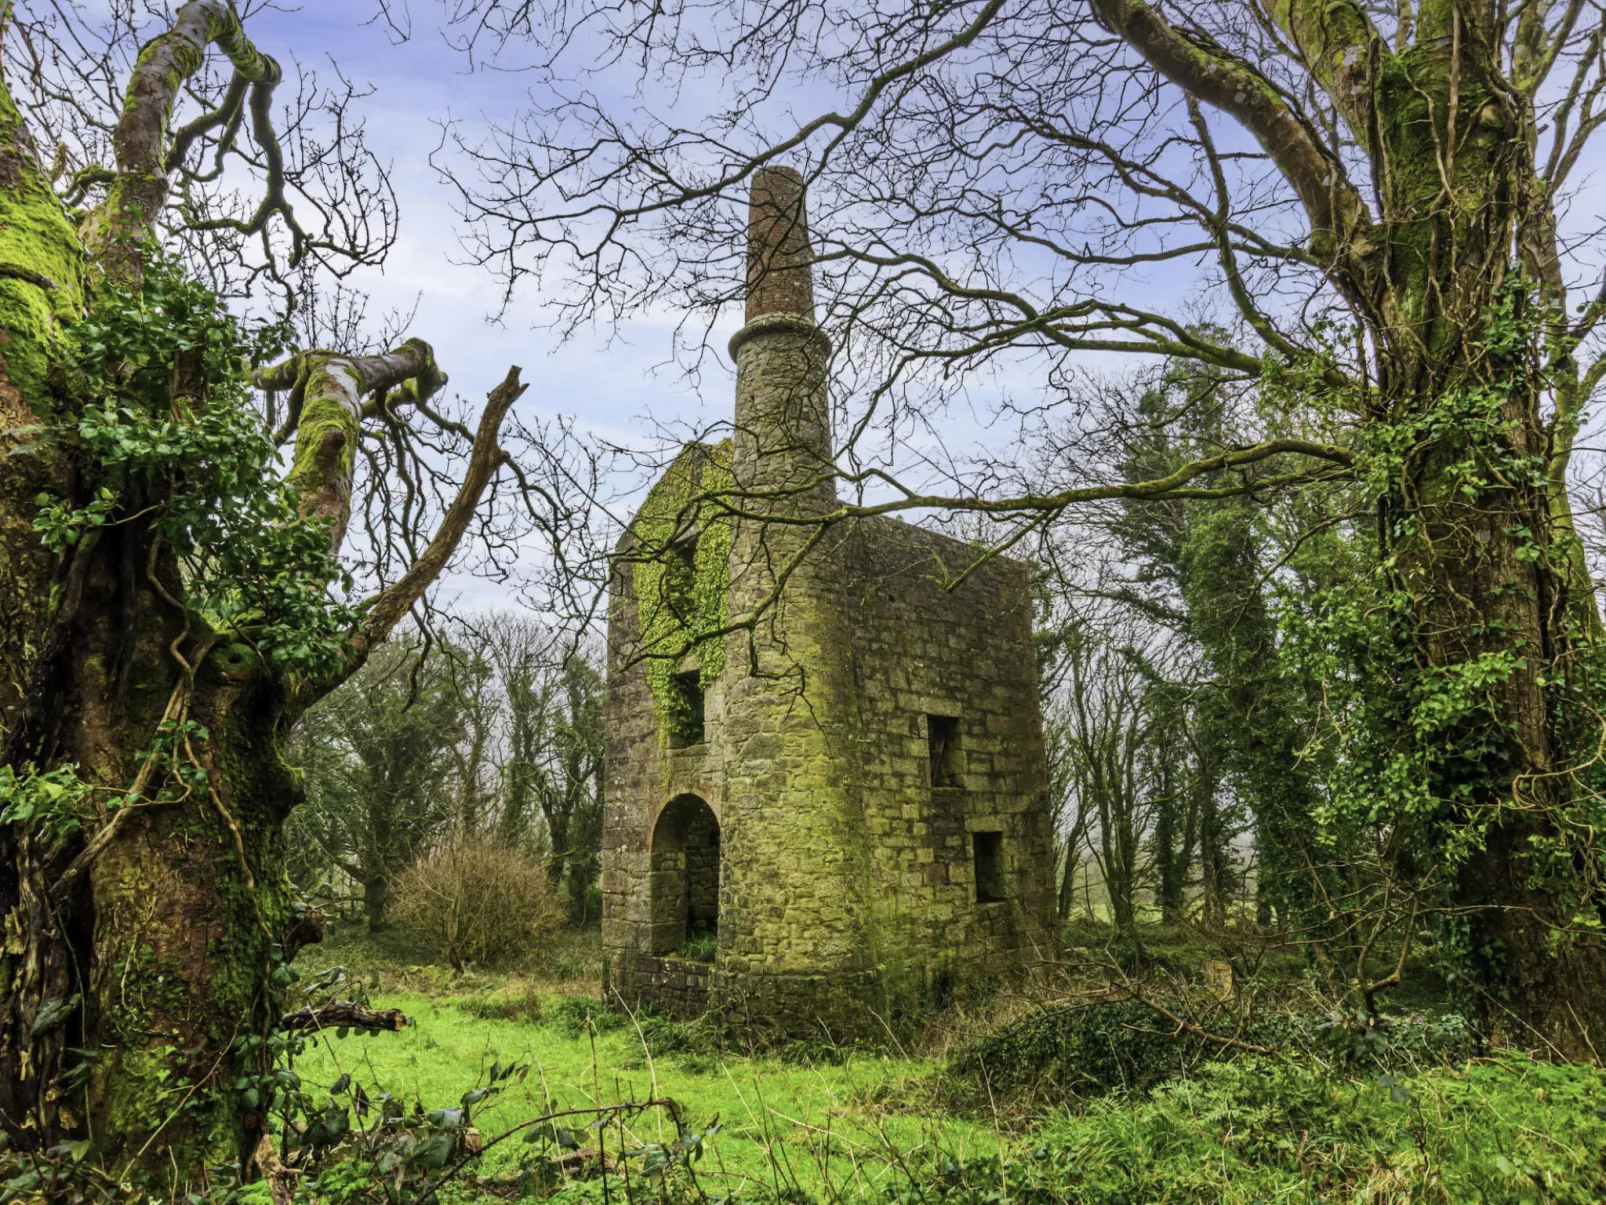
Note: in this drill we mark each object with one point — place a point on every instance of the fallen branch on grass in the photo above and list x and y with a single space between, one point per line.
344 1015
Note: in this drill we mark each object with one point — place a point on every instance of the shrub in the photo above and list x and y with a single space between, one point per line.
1090 1049
482 902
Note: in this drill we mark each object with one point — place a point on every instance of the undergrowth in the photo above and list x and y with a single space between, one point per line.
1086 1049
520 1087
1496 1132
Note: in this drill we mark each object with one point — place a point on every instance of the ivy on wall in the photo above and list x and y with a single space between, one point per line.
682 581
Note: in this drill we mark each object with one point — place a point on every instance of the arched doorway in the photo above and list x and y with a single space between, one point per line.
685 874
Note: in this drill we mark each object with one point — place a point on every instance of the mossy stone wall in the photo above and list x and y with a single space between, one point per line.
847 881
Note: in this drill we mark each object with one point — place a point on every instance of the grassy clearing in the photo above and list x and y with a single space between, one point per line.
1080 1119
837 1124
812 1125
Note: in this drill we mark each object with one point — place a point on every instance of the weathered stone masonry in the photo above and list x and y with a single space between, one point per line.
849 799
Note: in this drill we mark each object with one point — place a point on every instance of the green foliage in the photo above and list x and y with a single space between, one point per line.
1088 1050
1505 1132
1245 731
1418 729
58 802
52 800
168 435
376 756
682 604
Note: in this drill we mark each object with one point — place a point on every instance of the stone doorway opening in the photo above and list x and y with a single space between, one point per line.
685 879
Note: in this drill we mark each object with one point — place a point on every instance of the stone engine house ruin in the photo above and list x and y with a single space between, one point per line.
840 809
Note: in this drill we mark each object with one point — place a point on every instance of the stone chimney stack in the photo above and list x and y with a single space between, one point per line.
783 418
792 835
780 276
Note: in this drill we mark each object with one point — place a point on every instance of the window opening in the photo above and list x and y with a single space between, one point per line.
686 725
942 735
680 576
988 849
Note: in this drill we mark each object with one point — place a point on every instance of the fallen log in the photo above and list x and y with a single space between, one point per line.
343 1014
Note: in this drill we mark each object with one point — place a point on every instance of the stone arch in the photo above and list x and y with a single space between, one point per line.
684 883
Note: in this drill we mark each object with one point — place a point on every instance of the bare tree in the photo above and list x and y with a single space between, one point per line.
1371 199
1110 719
172 599
551 770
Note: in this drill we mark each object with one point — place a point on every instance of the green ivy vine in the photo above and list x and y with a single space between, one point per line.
196 462
1420 747
683 601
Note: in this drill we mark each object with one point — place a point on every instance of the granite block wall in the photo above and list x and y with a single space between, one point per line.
864 821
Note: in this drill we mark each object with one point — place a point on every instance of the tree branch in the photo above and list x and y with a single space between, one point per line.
1341 225
139 188
483 461
329 418
344 1014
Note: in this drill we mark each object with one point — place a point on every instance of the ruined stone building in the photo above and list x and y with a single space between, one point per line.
839 809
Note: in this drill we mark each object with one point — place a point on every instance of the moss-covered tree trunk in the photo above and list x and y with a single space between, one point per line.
147 916
1449 259
1498 661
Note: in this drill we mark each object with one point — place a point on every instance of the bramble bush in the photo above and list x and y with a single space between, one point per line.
1088 1049
481 901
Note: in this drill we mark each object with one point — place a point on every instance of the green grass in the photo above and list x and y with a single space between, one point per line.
780 1122
1429 1126
1501 1131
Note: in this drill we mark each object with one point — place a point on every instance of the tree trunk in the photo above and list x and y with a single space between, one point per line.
579 885
1171 868
1487 678
376 902
1067 892
1500 664
143 892
181 918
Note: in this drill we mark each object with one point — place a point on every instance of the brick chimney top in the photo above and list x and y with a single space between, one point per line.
780 278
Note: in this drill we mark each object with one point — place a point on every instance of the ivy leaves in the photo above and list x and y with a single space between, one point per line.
52 800
168 439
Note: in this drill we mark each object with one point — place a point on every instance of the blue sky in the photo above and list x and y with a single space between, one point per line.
619 384
605 378
614 382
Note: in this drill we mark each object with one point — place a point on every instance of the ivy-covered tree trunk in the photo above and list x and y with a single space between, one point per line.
1497 655
164 617
1482 637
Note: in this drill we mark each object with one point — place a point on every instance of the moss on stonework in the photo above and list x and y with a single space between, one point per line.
682 601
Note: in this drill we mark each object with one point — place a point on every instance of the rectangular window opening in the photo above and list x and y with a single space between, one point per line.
989 853
680 576
684 554
942 735
686 724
